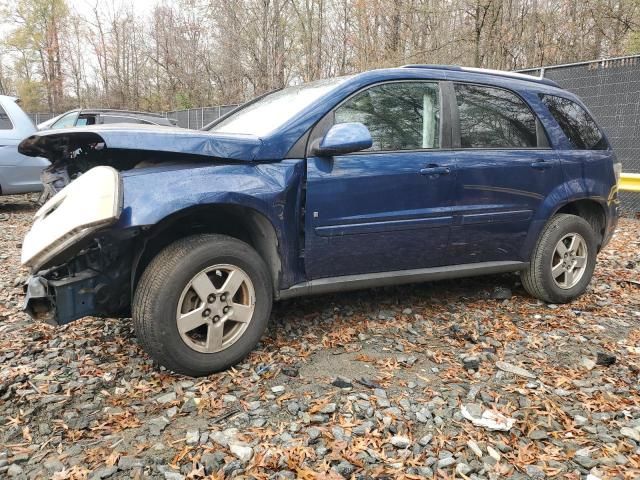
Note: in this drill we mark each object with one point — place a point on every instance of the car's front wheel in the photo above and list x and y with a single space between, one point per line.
202 304
563 260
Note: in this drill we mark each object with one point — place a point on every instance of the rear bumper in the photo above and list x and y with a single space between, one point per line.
58 302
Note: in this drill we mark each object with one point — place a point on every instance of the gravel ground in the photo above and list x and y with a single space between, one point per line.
458 379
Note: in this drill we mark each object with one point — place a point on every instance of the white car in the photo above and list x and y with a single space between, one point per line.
18 173
47 123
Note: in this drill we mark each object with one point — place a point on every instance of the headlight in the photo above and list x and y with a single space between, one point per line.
85 205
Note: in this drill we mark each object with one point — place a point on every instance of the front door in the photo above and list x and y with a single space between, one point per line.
388 208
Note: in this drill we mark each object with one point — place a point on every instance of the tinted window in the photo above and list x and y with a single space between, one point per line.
400 116
5 122
494 118
576 123
85 119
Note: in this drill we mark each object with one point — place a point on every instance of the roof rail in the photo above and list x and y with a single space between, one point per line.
115 110
486 71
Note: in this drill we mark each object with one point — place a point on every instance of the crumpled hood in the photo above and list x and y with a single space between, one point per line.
54 144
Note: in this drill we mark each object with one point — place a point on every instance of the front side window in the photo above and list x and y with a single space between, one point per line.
5 121
66 121
494 118
399 115
576 123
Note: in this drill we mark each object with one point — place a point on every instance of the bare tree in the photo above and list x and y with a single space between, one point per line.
187 53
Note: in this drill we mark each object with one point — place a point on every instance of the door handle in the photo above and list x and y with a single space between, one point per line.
541 165
435 170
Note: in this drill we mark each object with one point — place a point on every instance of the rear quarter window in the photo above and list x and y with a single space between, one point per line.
5 121
576 123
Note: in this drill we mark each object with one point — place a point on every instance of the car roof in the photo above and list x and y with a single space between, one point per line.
510 80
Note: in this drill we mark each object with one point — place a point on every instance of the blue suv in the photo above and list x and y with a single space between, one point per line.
388 177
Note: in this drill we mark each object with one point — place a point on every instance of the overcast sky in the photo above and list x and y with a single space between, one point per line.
84 8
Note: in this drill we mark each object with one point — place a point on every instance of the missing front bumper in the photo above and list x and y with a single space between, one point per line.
58 302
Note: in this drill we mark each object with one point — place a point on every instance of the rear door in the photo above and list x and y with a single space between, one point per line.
506 169
387 208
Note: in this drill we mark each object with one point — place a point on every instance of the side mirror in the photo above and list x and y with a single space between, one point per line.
344 138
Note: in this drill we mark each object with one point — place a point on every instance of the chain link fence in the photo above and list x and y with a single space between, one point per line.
611 90
196 118
38 118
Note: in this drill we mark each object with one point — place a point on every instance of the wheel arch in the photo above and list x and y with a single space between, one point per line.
242 222
592 211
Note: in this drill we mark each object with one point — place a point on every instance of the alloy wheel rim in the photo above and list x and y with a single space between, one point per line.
215 308
569 261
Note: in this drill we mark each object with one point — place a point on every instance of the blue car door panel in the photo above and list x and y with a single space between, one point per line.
371 213
390 207
497 194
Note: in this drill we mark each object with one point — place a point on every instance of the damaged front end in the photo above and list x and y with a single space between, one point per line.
76 269
83 244
72 152
95 282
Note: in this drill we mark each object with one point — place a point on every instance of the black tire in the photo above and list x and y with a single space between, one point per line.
159 290
537 278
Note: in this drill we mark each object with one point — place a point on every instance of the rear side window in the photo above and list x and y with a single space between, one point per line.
5 121
399 115
576 123
85 119
494 118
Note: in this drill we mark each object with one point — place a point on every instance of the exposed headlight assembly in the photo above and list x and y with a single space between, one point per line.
91 202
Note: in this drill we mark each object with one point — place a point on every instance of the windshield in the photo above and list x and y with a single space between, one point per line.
272 111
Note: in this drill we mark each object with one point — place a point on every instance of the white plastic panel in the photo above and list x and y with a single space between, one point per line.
86 204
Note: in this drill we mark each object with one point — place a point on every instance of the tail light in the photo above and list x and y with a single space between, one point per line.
617 171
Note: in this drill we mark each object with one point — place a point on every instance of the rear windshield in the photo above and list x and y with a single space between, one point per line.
576 123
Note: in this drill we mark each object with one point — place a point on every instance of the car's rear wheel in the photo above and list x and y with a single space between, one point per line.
563 260
202 304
